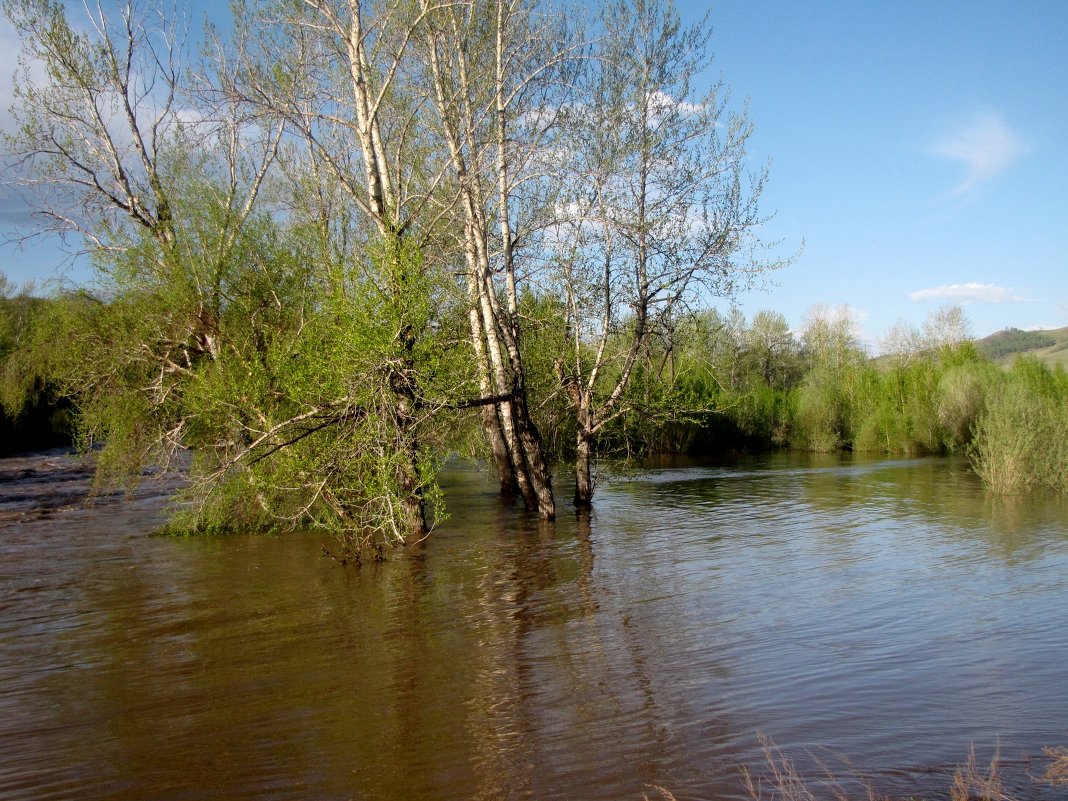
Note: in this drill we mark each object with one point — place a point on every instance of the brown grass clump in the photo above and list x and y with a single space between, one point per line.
784 782
781 780
1057 770
972 783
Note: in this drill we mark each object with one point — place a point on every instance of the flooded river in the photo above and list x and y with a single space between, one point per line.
886 611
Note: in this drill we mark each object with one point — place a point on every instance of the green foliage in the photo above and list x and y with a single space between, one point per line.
16 314
941 399
707 389
900 413
30 417
820 422
1021 437
919 404
836 379
962 390
311 419
546 339
291 386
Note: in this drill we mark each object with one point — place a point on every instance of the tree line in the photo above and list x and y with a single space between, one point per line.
722 383
1013 340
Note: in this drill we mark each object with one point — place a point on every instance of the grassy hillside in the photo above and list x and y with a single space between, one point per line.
1050 347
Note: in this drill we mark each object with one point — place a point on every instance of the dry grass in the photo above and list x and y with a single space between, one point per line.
1057 770
781 780
972 783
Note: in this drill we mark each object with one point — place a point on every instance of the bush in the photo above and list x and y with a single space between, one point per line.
961 399
820 416
1021 437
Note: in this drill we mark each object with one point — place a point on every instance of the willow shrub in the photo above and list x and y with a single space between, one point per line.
324 376
823 409
818 420
962 392
1021 436
762 414
899 412
273 386
30 416
927 404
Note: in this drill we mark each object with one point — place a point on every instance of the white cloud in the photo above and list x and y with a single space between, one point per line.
971 292
661 102
985 145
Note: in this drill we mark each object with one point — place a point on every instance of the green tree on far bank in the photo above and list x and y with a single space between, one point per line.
31 415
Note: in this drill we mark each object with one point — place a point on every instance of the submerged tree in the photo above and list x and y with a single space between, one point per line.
656 209
343 94
217 330
499 71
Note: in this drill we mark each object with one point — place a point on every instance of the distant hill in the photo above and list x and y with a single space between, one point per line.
1049 346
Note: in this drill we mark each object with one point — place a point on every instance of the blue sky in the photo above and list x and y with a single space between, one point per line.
918 149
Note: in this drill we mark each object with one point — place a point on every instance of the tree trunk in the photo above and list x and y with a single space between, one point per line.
537 468
584 418
503 384
402 385
518 430
491 425
514 439
583 473
412 518
491 419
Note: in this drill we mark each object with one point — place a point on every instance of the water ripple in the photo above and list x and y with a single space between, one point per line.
884 610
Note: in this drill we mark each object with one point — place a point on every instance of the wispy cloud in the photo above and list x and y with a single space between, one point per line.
985 145
971 292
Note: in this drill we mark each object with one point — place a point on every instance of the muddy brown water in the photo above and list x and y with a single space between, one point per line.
888 613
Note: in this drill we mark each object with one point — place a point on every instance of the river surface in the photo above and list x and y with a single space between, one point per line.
888 613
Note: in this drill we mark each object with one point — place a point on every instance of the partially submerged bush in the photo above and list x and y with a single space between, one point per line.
1021 438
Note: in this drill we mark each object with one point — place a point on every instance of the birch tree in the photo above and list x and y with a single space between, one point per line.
499 70
656 212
